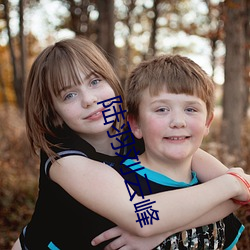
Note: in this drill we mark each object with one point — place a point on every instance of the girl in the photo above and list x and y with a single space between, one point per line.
78 189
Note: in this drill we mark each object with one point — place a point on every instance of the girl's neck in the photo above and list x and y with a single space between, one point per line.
102 143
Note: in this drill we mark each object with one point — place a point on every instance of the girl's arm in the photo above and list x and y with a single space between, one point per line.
126 240
207 166
134 242
101 189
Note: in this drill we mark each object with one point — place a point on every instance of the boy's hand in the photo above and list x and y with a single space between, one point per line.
127 241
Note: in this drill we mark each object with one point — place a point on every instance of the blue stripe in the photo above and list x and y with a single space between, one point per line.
63 153
236 238
160 178
52 246
23 233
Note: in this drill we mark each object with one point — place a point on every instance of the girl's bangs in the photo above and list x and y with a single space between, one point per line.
65 73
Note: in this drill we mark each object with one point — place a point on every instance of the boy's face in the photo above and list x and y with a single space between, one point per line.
172 125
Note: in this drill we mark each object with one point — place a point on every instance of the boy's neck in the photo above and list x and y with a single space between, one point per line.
176 170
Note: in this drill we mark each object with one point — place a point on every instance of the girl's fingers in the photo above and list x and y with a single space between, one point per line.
106 235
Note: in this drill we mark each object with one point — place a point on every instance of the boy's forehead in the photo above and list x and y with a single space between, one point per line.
154 91
163 94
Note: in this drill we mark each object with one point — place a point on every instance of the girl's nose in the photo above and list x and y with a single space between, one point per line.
88 99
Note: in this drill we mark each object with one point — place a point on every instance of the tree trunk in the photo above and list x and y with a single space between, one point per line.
105 37
3 89
12 53
247 61
152 41
22 75
79 17
234 75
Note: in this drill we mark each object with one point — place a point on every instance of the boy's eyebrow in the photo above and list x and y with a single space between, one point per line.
192 102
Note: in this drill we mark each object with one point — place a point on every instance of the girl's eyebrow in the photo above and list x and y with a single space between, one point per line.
87 77
64 88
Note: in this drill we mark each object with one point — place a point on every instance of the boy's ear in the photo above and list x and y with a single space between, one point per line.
135 127
208 123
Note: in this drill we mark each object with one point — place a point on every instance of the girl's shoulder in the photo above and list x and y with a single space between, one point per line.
63 144
66 140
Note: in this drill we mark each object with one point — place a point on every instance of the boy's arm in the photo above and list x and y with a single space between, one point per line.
206 166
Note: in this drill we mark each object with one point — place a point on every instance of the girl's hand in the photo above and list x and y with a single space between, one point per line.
17 245
127 241
244 180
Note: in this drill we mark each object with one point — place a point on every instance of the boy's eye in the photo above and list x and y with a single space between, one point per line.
191 110
161 110
69 96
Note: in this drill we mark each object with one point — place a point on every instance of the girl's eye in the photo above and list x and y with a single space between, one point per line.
70 96
95 82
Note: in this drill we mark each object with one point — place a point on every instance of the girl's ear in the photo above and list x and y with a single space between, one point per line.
135 126
208 123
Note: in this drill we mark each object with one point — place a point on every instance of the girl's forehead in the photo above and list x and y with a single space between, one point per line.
69 77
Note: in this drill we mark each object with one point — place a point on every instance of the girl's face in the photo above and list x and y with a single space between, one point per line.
77 106
172 126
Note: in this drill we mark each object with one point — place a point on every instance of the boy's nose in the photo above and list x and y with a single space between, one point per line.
177 121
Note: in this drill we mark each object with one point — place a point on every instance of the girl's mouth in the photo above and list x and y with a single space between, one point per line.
95 115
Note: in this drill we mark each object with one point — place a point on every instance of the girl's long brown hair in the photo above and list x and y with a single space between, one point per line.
57 66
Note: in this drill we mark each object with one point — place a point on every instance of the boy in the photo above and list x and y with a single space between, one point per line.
170 105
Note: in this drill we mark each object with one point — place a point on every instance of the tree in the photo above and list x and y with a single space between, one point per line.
105 31
18 63
247 61
101 30
79 17
152 40
234 75
23 51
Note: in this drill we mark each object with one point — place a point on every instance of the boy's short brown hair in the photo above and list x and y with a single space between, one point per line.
177 74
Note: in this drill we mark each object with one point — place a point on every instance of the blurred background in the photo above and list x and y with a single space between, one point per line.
214 33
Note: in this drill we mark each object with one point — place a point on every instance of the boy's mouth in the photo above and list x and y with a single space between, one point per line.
177 138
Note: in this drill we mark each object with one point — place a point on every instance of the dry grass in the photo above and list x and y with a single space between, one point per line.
19 175
213 146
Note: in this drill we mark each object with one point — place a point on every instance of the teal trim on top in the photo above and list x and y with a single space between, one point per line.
160 178
236 238
52 246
